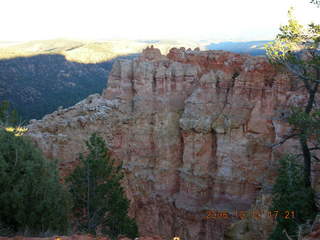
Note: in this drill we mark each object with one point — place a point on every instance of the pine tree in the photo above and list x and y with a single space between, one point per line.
32 200
316 2
296 48
99 199
291 199
8 116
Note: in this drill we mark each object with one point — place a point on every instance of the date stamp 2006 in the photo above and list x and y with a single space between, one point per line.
256 214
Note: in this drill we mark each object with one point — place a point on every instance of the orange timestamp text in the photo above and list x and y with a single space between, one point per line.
256 214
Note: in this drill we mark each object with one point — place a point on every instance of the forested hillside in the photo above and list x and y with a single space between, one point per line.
37 85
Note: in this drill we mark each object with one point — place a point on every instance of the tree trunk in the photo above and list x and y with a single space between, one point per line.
88 198
307 160
303 138
310 101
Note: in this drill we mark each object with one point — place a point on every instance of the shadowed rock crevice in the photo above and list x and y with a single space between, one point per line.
212 168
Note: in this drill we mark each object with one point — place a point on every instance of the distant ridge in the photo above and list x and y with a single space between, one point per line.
254 48
89 51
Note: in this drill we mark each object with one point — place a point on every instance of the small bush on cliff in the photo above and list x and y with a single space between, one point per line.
32 200
99 200
291 198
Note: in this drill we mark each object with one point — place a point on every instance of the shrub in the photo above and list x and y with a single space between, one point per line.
290 194
32 200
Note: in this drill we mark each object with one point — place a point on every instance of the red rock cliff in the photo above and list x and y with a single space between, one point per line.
193 130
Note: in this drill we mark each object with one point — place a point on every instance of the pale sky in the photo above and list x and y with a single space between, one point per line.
22 20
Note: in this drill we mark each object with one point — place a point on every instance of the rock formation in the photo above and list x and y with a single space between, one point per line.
193 130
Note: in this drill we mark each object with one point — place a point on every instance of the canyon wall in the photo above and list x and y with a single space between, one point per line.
194 131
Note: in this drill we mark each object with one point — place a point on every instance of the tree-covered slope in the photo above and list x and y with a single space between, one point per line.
39 84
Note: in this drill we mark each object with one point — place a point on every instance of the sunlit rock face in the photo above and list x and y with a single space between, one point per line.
193 130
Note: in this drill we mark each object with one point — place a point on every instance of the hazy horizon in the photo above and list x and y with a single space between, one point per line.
115 19
8 41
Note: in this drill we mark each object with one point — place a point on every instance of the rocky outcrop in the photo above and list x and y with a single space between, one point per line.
193 130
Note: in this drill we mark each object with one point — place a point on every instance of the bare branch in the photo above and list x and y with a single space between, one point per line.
285 138
297 73
285 232
316 158
314 148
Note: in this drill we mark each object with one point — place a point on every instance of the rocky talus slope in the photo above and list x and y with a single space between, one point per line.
193 130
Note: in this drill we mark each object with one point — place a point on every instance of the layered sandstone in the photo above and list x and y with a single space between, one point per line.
193 130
